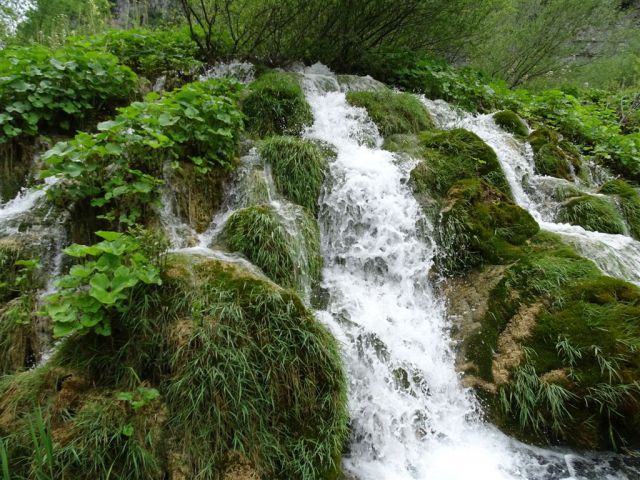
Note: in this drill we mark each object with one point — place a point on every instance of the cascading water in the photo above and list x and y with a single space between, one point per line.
411 418
616 255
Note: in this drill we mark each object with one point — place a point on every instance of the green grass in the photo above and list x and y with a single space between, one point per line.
628 201
298 167
289 255
393 113
276 105
592 213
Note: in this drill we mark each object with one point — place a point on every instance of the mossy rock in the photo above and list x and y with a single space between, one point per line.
403 143
479 225
598 214
511 122
298 167
553 156
392 112
453 155
276 105
239 363
288 254
628 200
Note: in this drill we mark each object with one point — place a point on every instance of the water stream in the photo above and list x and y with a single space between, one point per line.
411 417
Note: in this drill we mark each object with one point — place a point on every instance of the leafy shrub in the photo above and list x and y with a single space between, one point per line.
298 168
120 167
393 113
276 105
58 90
95 291
150 53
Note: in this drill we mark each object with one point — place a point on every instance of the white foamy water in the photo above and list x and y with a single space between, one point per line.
410 416
615 255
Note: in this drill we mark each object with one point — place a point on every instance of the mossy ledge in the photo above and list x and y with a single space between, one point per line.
392 112
241 371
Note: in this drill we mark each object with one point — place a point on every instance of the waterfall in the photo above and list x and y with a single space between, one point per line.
410 416
615 255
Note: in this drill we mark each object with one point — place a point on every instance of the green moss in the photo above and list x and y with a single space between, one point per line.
592 213
553 156
253 372
454 155
393 112
298 167
511 122
481 225
276 105
403 143
628 203
288 254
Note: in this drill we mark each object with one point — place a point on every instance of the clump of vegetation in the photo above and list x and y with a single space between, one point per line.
453 155
275 105
59 91
150 53
288 254
298 167
511 122
479 224
553 156
593 213
393 113
628 203
120 168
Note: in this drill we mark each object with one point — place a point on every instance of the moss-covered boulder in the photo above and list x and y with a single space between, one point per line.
479 225
595 213
511 122
284 243
628 200
556 354
392 112
553 156
298 167
453 155
275 105
217 367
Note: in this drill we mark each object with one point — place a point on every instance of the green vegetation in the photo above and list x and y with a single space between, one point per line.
59 91
120 168
454 155
393 113
598 214
99 289
298 168
511 122
628 200
276 105
403 143
553 156
287 251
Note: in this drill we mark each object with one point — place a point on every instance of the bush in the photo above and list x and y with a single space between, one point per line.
276 105
288 254
511 122
454 155
150 53
393 113
120 168
58 91
298 167
592 213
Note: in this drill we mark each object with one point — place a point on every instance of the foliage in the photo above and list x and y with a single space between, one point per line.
592 213
287 251
99 289
150 53
120 168
298 167
276 105
393 113
58 90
